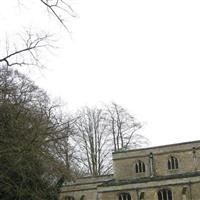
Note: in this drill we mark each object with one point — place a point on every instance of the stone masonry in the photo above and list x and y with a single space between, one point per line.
170 172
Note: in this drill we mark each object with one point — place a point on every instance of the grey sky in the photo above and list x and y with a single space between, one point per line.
144 55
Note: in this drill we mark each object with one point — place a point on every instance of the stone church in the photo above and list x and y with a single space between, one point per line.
170 172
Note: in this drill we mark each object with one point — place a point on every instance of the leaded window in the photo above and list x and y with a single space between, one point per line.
165 194
124 196
142 196
83 197
184 193
139 167
172 163
69 198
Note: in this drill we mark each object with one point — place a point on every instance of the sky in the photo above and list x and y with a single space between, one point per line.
144 55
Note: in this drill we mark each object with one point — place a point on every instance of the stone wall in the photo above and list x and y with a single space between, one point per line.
124 162
86 186
150 190
183 182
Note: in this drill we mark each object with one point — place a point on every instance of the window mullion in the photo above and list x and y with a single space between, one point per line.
162 195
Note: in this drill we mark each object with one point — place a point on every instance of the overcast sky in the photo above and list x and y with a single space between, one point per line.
144 55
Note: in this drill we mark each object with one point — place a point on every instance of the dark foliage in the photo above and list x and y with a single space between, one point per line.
28 131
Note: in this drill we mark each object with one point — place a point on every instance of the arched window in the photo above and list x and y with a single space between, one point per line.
83 197
69 198
164 194
172 163
184 193
124 196
139 167
142 196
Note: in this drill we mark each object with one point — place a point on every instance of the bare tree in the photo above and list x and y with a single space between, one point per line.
123 127
27 51
92 139
63 149
58 8
101 131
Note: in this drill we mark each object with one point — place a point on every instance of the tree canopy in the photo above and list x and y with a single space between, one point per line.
30 129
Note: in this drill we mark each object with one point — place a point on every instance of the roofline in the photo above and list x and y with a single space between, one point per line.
149 179
86 177
155 147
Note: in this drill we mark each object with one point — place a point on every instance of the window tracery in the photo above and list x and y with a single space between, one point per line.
140 167
173 163
165 194
69 198
124 196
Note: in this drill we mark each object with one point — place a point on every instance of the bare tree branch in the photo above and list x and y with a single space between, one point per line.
123 128
28 52
91 137
55 5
